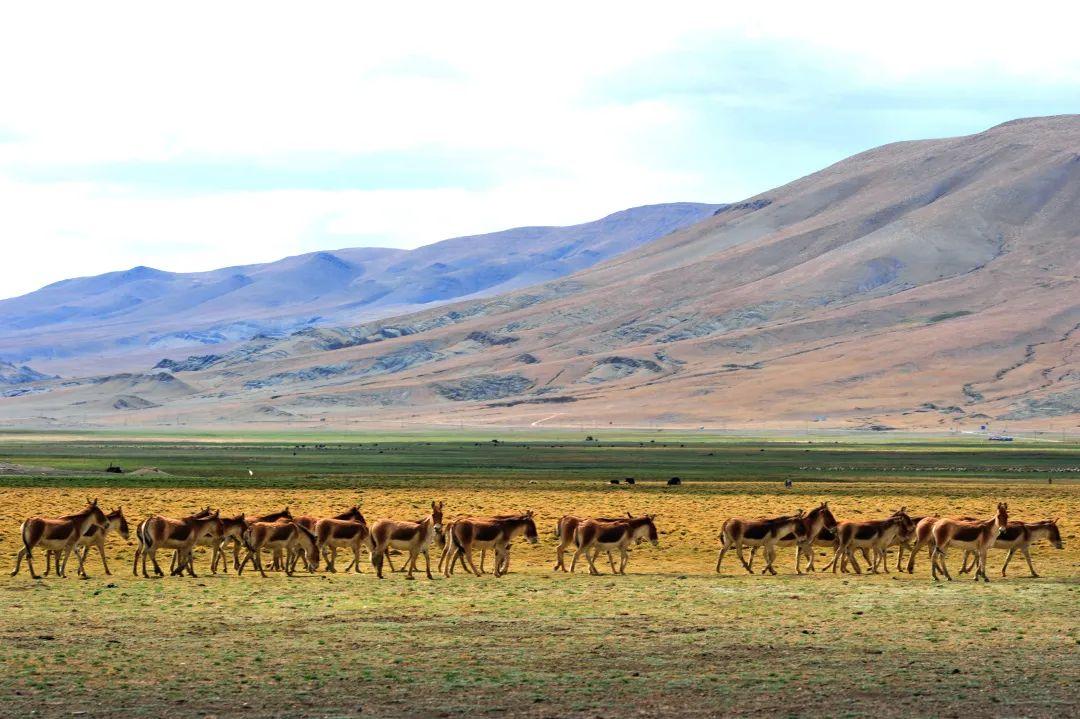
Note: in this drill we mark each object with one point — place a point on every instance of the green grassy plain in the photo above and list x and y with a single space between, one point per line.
670 638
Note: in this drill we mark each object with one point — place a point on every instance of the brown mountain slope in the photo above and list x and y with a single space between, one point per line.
918 284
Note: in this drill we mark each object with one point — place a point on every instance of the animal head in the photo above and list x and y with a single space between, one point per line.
1002 516
647 528
827 519
117 519
98 517
437 515
1055 534
234 525
907 526
530 528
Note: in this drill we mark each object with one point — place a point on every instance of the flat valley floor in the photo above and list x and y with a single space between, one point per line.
671 638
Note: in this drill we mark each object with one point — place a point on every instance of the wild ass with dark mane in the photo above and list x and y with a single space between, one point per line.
976 536
284 536
819 522
739 532
1018 537
875 535
564 532
333 534
159 532
413 537
94 537
608 536
59 534
496 533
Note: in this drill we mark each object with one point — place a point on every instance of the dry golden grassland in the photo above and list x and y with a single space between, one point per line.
670 638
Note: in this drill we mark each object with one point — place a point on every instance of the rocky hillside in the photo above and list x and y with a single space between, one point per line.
121 319
921 284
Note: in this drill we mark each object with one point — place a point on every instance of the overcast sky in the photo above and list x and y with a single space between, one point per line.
192 136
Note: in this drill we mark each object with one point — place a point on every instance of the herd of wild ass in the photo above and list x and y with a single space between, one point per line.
290 539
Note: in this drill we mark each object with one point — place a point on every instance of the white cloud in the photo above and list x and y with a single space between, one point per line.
106 83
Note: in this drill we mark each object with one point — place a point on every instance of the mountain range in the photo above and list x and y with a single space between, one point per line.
922 284
119 320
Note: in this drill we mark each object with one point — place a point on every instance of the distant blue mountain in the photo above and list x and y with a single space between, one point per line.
119 313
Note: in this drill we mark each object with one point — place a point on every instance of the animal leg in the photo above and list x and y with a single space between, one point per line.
101 551
573 562
837 552
940 554
560 558
723 551
739 552
18 561
592 563
911 557
469 559
851 559
1027 556
30 564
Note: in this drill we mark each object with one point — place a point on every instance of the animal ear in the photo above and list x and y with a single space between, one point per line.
629 515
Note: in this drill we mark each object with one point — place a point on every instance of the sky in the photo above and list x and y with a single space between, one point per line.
200 135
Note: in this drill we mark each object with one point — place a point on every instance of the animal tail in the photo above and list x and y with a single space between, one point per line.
558 528
457 542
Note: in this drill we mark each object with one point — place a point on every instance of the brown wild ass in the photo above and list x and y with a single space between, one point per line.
1019 536
608 536
59 534
442 540
94 537
738 532
333 534
414 537
923 537
226 530
818 522
564 532
140 550
180 535
905 541
470 533
329 553
875 535
285 537
976 536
